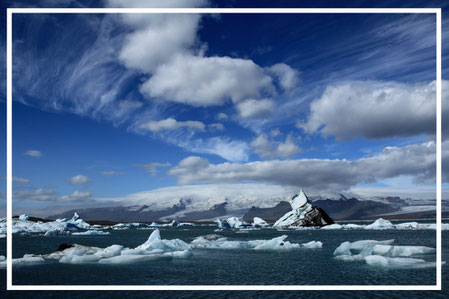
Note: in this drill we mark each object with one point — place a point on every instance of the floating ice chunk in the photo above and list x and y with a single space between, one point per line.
360 245
155 242
382 253
127 259
398 262
380 224
353 226
222 224
332 226
219 242
154 224
23 217
235 222
402 251
408 225
278 243
56 232
91 233
343 249
24 261
312 244
259 222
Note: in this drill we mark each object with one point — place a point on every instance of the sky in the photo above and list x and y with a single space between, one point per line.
105 106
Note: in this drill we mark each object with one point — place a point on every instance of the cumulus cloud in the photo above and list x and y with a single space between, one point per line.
172 124
20 180
76 196
286 76
372 109
252 108
268 148
416 160
111 172
153 167
207 81
33 153
78 179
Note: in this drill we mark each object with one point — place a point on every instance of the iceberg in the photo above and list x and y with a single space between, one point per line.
278 243
383 254
380 224
303 214
155 248
24 226
231 222
259 222
23 217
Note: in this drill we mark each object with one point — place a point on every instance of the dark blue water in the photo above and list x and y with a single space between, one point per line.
228 267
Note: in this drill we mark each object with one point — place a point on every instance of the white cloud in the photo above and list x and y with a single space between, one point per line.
20 180
171 124
216 127
111 172
228 149
373 109
222 116
252 108
269 149
207 81
416 160
287 77
78 179
33 153
76 196
38 194
152 167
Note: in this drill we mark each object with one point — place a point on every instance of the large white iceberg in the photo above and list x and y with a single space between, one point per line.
303 214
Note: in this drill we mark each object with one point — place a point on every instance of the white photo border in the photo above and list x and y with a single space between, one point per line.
11 11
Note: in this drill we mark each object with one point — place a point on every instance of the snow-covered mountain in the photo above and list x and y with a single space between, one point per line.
269 202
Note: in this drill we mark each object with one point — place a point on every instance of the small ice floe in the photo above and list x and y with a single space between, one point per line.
380 224
278 243
231 222
259 222
155 248
91 233
384 254
23 217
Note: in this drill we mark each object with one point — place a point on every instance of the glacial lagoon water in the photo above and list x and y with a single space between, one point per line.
301 266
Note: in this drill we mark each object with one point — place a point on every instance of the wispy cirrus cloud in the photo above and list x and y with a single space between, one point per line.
33 153
153 167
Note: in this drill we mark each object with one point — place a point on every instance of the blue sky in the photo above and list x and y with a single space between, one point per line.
109 105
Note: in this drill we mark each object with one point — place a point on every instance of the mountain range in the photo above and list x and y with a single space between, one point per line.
338 209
